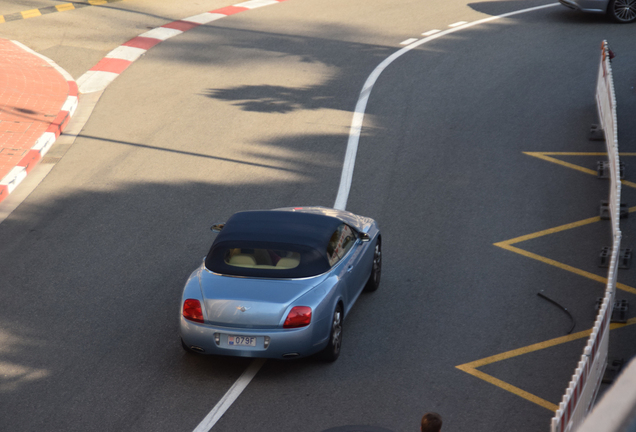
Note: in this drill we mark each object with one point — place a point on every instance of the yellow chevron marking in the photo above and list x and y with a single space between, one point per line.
471 368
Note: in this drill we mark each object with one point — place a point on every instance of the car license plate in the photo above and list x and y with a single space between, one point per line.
241 341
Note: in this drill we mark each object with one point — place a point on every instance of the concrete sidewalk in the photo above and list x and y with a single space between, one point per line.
37 99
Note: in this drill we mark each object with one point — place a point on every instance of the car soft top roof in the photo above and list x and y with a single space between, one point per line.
357 222
307 229
306 233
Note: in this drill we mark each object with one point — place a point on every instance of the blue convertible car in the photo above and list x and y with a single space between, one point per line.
279 283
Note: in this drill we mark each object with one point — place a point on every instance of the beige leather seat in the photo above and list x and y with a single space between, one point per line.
243 260
287 263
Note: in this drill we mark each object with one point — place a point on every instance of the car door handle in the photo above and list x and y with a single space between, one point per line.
349 269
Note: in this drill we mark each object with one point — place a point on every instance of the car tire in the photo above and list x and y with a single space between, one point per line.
376 270
622 11
332 350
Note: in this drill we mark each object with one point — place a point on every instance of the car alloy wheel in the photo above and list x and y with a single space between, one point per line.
376 271
622 11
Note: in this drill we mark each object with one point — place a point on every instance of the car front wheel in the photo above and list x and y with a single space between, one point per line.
622 11
376 270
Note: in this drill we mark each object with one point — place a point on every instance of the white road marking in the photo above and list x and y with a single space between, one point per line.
44 143
343 194
70 104
14 178
253 4
408 41
161 33
431 32
232 394
126 53
94 81
67 76
204 18
457 24
358 114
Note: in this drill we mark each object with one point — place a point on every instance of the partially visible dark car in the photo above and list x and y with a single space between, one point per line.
620 11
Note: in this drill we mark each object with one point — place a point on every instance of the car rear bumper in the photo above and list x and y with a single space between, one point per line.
282 343
592 6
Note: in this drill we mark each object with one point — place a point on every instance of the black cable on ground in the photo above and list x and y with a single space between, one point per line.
540 294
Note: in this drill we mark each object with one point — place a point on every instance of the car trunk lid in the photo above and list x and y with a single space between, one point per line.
247 302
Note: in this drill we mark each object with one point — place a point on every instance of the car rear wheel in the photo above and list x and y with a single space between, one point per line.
376 271
622 11
332 350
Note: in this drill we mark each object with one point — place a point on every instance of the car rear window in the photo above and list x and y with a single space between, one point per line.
267 259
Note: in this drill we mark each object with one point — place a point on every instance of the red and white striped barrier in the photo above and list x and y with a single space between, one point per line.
583 388
104 72
606 105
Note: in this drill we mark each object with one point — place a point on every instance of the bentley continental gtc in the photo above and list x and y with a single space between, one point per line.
279 283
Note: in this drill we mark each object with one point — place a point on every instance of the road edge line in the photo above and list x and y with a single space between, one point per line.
230 396
358 115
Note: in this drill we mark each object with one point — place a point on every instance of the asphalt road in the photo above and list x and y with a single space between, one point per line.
253 111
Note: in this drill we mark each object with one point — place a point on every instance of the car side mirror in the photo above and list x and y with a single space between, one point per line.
217 227
364 237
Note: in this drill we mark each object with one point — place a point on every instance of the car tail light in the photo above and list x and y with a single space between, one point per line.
192 310
299 316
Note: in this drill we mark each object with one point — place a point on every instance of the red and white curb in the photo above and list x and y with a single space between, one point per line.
118 60
105 72
42 145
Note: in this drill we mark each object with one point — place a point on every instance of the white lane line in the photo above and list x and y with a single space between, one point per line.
358 114
431 32
228 399
408 41
457 24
